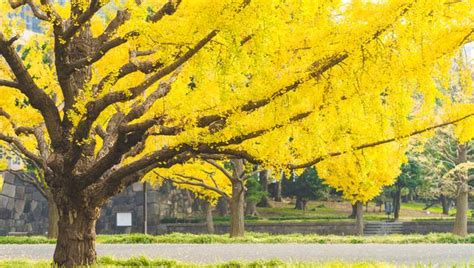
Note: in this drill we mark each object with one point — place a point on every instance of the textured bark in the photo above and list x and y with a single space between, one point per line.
76 238
460 223
237 210
53 217
209 218
359 218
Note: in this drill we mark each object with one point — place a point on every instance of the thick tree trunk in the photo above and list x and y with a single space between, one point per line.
76 237
460 223
251 208
237 210
397 202
209 218
300 203
445 203
53 217
359 218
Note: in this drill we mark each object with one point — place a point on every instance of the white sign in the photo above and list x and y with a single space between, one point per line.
124 219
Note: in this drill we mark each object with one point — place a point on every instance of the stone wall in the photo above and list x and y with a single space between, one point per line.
322 228
24 209
165 201
426 227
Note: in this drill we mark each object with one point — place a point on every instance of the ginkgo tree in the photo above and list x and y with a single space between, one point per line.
116 89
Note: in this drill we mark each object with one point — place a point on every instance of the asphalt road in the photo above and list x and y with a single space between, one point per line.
211 253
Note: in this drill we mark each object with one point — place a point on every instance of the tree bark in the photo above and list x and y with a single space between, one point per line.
397 202
209 218
445 203
76 237
359 218
354 212
53 217
264 183
300 203
460 223
251 208
278 197
222 207
237 201
237 210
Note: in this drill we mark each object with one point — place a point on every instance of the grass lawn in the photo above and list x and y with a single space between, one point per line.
180 238
146 262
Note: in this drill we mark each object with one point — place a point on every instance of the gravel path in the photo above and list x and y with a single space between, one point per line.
210 253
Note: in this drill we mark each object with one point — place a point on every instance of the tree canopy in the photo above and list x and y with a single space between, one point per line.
113 89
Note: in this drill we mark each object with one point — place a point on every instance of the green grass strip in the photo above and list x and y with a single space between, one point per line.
253 238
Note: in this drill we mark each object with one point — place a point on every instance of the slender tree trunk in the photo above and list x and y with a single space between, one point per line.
397 203
445 204
366 206
209 218
251 208
359 218
237 210
354 211
222 207
237 200
460 223
278 197
53 217
76 237
264 183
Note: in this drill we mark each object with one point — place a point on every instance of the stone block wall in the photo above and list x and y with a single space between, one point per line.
22 207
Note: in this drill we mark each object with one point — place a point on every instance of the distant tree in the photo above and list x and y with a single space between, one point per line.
305 187
254 194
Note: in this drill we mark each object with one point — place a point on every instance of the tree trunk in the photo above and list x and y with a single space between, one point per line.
237 210
237 201
300 203
278 197
359 218
396 203
460 223
76 237
222 207
354 212
264 183
251 208
445 203
209 218
53 217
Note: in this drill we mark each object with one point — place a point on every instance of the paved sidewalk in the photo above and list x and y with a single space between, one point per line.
210 253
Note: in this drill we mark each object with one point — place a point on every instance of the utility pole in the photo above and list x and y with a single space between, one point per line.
145 209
